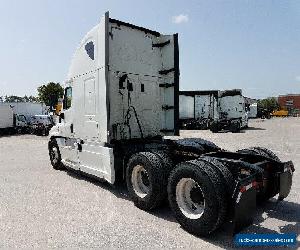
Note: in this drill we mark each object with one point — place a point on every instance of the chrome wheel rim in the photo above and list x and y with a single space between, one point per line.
190 198
140 181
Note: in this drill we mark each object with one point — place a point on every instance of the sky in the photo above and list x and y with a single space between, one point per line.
249 44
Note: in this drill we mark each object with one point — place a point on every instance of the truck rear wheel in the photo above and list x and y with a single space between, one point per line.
146 180
226 175
196 197
235 126
271 188
55 156
214 127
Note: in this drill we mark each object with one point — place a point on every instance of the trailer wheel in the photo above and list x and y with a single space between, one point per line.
55 156
196 197
146 180
271 188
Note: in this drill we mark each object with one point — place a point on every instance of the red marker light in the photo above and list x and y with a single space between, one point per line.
243 189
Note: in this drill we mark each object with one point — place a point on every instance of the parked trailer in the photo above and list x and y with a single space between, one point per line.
6 119
121 99
197 109
213 109
28 108
10 121
186 110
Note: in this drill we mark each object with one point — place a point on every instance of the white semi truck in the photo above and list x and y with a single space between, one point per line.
232 112
121 99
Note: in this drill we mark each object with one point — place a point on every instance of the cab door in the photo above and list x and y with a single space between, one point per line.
68 144
94 157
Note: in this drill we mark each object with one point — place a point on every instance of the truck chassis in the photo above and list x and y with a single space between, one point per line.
205 185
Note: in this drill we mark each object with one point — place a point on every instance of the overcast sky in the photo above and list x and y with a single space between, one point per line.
253 45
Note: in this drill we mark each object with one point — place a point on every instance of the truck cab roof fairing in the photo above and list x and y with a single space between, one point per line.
87 57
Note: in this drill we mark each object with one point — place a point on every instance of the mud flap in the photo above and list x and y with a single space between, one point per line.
244 208
285 184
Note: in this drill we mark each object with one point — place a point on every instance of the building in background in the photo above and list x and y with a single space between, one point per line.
291 103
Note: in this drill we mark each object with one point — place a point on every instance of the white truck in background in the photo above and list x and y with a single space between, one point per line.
233 115
26 117
121 99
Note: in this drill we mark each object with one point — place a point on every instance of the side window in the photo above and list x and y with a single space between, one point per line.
89 48
68 98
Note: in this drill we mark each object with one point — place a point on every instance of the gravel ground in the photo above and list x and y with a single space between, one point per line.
41 207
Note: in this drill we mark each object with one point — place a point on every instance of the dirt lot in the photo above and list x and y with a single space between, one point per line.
41 207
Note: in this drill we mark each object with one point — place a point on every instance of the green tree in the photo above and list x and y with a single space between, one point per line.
14 98
269 104
50 92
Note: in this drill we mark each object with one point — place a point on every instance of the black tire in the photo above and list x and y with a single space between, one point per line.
210 183
235 127
272 188
212 169
54 154
167 162
260 151
221 167
214 127
155 181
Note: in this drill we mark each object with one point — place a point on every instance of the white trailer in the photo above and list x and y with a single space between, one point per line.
186 107
197 108
121 99
28 108
6 119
